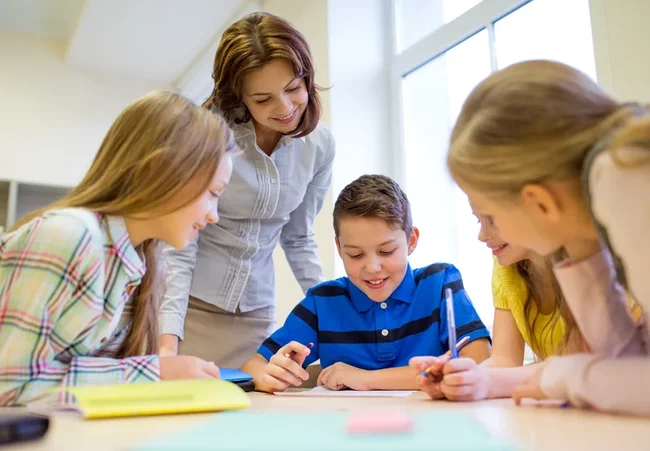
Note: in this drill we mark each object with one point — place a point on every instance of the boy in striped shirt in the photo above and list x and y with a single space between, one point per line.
365 327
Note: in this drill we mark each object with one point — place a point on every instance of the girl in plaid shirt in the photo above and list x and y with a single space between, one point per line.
80 282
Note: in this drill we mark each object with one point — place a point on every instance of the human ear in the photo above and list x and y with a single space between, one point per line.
541 203
413 239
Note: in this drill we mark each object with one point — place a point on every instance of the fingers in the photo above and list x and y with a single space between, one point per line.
295 351
420 364
431 388
210 370
290 365
272 385
527 390
459 365
458 392
283 375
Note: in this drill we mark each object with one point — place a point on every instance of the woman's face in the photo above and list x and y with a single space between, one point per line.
275 97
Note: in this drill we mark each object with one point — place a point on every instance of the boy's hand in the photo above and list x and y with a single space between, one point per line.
284 369
341 375
464 380
430 384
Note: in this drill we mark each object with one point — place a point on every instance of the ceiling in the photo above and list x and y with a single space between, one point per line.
145 40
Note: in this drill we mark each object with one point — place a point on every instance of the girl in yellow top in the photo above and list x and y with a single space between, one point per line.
529 310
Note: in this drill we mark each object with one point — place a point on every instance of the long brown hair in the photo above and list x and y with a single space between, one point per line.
153 149
533 276
246 46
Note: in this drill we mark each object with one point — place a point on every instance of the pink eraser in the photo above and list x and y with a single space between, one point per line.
379 423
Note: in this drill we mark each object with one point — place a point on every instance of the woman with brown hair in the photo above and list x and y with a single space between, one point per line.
220 299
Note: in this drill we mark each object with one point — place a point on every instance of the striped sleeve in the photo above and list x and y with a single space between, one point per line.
301 326
51 297
467 320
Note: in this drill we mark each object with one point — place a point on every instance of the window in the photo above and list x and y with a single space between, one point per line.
414 19
431 81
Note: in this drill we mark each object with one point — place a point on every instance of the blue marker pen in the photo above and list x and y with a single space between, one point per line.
451 323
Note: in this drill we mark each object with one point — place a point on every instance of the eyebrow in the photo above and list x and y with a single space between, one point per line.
268 93
358 247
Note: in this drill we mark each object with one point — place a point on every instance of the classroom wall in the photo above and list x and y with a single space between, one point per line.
52 117
310 17
621 36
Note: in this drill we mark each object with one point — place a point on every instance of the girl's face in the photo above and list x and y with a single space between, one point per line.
275 96
521 223
181 226
505 253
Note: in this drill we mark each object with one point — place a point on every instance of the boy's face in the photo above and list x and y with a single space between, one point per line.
375 256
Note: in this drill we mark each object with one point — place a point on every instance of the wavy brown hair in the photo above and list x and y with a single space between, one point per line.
153 149
246 46
533 277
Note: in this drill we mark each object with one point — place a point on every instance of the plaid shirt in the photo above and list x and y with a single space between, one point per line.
66 285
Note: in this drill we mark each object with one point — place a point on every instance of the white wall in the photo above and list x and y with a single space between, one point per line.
310 17
621 36
52 118
360 46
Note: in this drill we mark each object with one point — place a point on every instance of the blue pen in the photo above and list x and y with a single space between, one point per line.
454 346
451 323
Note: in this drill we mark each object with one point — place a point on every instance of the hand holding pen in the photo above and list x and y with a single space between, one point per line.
285 369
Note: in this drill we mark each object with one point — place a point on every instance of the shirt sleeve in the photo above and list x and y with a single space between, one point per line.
615 380
467 320
180 268
297 236
51 296
301 326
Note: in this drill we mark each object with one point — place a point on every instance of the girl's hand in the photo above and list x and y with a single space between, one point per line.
531 389
168 345
464 380
187 367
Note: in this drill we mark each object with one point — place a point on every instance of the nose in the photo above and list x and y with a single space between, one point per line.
372 264
287 105
483 232
212 217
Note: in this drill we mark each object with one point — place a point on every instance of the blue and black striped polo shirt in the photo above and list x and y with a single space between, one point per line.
347 326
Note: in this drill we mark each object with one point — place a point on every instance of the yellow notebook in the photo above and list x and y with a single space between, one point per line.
158 398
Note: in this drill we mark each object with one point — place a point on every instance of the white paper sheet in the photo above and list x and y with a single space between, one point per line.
324 392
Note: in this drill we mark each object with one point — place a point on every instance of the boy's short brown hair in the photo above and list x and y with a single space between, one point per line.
374 196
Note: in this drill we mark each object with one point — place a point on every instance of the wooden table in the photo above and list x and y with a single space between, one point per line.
533 428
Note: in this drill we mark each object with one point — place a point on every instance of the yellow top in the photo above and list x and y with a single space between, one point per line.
509 293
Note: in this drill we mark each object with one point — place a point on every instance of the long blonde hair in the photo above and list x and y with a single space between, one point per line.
154 147
534 121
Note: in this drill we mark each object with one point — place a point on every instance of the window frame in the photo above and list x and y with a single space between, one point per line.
480 17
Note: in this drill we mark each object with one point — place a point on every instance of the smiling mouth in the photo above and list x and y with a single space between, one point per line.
287 119
497 250
376 284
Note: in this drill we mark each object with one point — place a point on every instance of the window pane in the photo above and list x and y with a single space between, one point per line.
547 29
432 98
417 18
